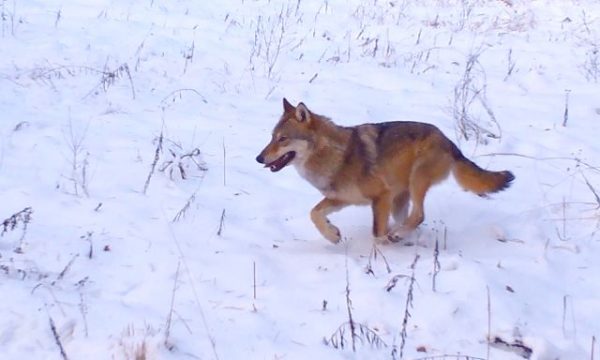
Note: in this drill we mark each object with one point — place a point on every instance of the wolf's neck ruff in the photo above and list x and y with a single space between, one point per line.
328 149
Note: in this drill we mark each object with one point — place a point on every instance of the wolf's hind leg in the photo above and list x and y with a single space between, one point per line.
319 217
420 182
400 207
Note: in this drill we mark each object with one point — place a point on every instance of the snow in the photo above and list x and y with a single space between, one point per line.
88 87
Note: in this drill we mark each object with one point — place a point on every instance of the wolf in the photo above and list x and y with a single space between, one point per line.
386 165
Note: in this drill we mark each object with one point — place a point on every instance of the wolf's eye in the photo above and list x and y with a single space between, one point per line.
282 139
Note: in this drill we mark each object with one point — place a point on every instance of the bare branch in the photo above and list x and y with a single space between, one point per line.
63 354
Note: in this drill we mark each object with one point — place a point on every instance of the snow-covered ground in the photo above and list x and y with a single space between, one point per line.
111 257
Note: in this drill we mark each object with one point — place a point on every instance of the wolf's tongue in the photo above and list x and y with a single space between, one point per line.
281 162
278 164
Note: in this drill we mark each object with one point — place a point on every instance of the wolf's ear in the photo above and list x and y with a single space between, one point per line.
302 113
287 107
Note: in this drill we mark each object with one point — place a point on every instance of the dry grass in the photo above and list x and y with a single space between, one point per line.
22 218
137 344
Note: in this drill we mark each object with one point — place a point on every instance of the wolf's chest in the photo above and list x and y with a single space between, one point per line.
316 179
346 191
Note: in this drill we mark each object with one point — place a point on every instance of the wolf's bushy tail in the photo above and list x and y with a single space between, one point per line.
473 178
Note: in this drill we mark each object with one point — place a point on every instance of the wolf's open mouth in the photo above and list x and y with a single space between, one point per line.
281 162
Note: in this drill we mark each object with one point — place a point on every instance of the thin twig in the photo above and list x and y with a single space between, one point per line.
157 152
592 190
337 339
77 151
349 307
170 316
88 238
83 310
254 278
224 163
394 281
564 317
578 161
489 322
517 347
10 223
57 339
373 256
181 213
110 77
445 236
436 263
407 307
564 314
221 223
566 114
510 65
357 330
182 258
173 95
66 268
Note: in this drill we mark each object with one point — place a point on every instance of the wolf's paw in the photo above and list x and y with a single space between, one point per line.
332 234
393 238
399 233
382 240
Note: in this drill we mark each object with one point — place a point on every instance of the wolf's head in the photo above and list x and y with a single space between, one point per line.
291 139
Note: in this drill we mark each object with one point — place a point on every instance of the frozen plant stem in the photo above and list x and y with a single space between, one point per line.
157 152
566 300
170 316
489 322
83 310
592 190
63 354
188 56
221 223
445 236
563 236
110 77
407 307
566 114
224 163
470 90
79 162
210 336
357 330
58 17
510 66
181 213
436 263
66 269
88 238
254 278
10 223
3 17
564 315
349 307
373 256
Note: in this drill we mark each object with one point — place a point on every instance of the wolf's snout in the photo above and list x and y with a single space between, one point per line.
260 159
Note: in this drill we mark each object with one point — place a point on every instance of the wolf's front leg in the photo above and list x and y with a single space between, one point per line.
319 217
381 206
